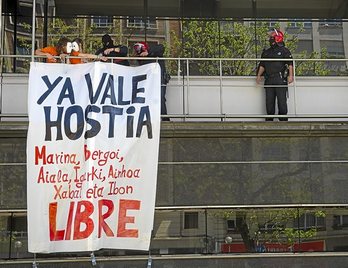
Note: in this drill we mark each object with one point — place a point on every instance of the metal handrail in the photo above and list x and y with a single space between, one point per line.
197 58
225 116
226 206
188 59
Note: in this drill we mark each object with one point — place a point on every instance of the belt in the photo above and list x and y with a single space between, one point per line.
278 74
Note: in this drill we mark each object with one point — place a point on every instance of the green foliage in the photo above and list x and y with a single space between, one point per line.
82 28
235 40
280 224
312 67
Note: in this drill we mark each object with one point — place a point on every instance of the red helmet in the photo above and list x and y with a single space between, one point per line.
140 47
277 35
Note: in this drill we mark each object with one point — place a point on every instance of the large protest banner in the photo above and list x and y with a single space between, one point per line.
92 155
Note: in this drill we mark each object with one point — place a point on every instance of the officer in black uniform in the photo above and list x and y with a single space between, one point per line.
277 74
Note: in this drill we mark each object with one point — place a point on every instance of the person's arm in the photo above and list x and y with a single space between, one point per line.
291 74
99 51
110 50
123 51
92 56
42 52
156 51
291 67
63 57
261 68
260 72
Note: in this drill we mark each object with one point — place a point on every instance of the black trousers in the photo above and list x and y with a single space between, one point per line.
278 93
163 102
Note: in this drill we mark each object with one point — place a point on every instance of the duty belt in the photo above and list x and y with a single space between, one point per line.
275 75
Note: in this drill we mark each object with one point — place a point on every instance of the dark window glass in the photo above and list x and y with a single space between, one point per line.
191 220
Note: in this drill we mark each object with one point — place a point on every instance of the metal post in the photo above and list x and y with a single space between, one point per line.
1 31
188 86
15 16
295 103
221 95
145 17
298 230
1 17
2 38
33 31
11 233
45 29
206 231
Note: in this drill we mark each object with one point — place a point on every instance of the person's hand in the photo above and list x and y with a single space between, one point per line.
290 79
144 54
51 58
109 50
63 56
102 58
258 79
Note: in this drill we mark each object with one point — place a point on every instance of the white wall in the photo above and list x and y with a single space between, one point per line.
241 96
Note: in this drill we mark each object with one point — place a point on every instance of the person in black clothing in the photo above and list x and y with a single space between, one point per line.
277 74
142 49
111 50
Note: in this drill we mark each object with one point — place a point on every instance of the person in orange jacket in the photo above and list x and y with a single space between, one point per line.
53 52
63 49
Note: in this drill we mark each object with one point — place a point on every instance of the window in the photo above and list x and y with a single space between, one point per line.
25 14
273 24
138 22
304 46
330 24
340 221
335 49
102 21
309 220
23 47
231 225
190 220
299 24
270 226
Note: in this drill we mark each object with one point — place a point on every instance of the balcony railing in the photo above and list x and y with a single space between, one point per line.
217 97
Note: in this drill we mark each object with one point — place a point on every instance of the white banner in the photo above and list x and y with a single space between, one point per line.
92 156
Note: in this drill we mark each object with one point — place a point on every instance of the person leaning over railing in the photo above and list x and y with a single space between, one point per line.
63 49
277 74
142 49
111 50
77 53
51 52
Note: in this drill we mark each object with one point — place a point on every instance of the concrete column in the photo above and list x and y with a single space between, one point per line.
345 40
316 36
1 29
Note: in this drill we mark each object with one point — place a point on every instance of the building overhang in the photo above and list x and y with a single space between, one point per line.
302 9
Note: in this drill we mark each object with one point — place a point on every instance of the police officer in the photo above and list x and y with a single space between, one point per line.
277 74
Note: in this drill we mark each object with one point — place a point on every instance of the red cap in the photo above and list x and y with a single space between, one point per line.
140 47
277 35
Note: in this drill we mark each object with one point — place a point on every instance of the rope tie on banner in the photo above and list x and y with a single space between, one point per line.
34 261
149 261
93 259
